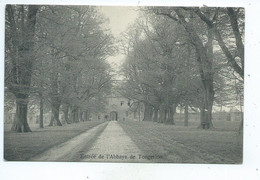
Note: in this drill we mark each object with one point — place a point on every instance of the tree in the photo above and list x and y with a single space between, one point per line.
20 31
236 18
156 57
77 46
205 56
58 61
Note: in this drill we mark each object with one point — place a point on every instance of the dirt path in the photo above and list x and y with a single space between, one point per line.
106 142
113 145
71 150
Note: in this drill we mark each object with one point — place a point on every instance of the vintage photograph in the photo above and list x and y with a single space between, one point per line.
124 84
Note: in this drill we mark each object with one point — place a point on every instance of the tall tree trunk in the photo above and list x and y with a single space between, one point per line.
166 112
151 114
202 117
207 80
238 92
22 62
171 112
139 111
162 114
186 112
155 115
20 124
41 111
75 115
66 114
83 116
55 98
80 113
206 110
209 105
169 116
87 115
147 112
205 60
55 110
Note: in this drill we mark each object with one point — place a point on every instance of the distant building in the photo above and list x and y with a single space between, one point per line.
117 109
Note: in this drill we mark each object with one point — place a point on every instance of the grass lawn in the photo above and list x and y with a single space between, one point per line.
22 146
175 143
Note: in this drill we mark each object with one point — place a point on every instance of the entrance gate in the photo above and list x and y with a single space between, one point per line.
113 116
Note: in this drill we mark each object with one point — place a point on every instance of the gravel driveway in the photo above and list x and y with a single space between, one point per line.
113 145
109 143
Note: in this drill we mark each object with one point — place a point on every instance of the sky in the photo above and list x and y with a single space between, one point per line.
120 17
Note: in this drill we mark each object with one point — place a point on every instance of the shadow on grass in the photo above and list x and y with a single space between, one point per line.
23 146
187 144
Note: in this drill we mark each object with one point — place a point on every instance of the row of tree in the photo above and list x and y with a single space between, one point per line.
189 57
55 59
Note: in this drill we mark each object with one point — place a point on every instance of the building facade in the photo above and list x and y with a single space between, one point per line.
117 109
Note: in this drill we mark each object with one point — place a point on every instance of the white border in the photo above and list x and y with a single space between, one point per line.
250 169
